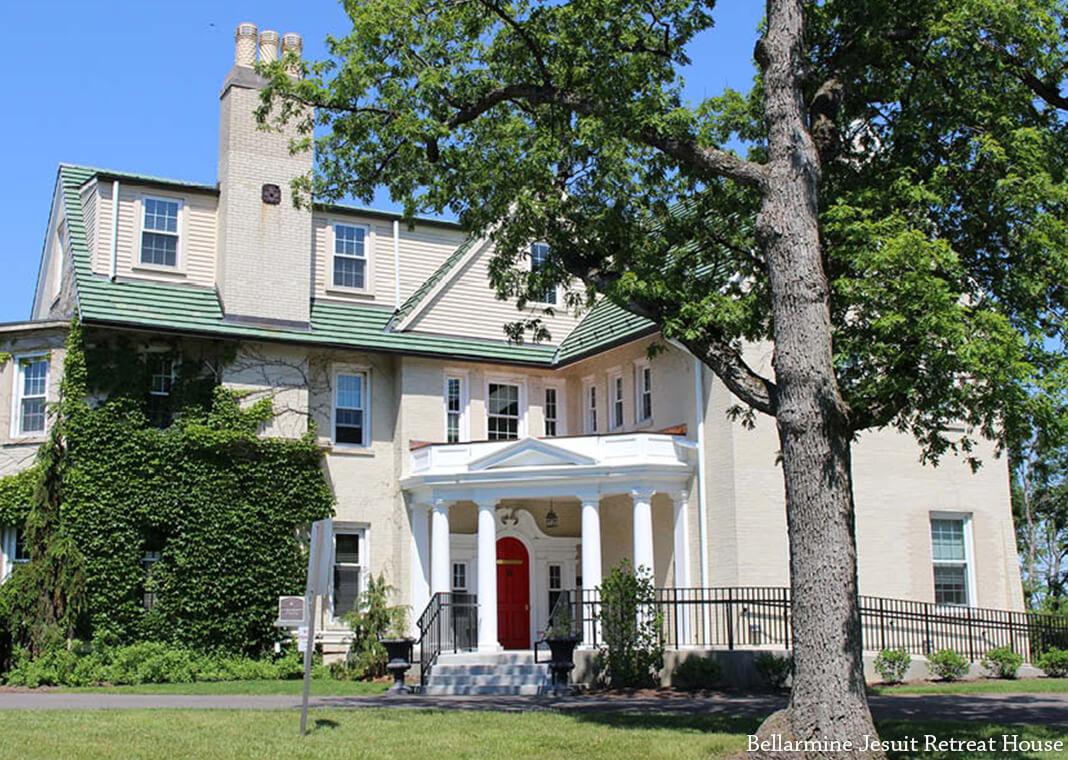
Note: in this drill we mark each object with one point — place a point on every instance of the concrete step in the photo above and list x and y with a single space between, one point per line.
500 673
487 680
484 689
488 669
482 658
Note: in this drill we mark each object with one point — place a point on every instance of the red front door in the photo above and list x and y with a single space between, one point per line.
513 594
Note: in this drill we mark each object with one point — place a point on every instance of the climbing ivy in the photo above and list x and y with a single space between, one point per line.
217 506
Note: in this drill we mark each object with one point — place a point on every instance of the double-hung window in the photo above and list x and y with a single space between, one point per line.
539 259
455 404
459 577
556 584
350 408
643 383
551 412
591 408
159 231
31 391
350 550
153 554
502 412
14 550
949 552
350 256
616 388
161 369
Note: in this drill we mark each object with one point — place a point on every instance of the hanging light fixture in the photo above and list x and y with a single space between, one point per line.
550 518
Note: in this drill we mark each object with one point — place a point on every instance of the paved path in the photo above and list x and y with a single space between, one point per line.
1000 708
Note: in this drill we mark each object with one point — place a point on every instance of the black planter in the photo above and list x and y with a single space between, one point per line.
399 654
562 660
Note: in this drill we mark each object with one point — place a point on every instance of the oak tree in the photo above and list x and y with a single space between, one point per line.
896 228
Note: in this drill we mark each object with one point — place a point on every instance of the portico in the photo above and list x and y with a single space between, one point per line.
544 503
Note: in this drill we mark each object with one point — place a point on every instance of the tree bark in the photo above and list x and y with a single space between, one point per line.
827 702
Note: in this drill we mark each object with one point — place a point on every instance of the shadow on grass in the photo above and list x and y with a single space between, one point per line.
326 723
708 724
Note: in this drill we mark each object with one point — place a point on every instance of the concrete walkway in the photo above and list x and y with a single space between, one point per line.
996 708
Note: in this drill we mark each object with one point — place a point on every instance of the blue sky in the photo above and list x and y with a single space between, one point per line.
134 87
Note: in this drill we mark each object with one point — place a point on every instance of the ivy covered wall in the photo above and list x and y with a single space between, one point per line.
217 507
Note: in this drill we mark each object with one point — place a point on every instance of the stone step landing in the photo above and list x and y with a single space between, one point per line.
503 673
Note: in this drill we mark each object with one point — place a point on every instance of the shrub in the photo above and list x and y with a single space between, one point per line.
1002 662
696 673
893 664
948 665
632 653
773 668
373 620
1054 663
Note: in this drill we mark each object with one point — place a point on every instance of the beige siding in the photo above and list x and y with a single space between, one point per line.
196 256
422 251
468 306
18 453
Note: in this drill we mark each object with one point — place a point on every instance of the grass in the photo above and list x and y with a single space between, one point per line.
401 734
323 687
982 686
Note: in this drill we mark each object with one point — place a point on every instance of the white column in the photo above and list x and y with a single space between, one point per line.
440 566
643 529
420 560
591 562
487 578
682 565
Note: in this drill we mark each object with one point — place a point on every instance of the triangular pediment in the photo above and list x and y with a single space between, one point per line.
530 452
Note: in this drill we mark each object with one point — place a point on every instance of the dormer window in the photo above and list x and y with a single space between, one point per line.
350 256
159 232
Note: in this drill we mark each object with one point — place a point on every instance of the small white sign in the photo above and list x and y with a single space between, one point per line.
302 638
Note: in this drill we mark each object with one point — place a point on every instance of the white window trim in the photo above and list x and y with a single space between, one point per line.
507 380
588 382
16 395
969 556
467 576
8 541
465 403
351 369
555 303
368 258
561 405
614 425
179 253
59 258
639 365
364 529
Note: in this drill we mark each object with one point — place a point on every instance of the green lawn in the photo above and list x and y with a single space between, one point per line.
402 734
983 686
323 687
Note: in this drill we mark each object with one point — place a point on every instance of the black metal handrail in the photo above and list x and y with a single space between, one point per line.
759 616
449 622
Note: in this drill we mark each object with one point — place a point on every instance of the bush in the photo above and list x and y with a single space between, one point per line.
892 665
1054 663
1002 662
948 665
632 654
373 620
774 669
147 662
696 673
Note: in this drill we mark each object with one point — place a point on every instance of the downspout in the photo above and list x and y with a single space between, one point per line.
114 229
702 469
396 264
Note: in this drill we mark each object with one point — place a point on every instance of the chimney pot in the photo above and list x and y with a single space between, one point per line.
268 46
292 43
245 47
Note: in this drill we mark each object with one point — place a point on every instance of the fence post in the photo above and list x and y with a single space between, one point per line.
971 637
928 645
786 617
730 619
882 625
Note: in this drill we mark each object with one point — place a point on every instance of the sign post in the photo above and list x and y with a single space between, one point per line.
320 555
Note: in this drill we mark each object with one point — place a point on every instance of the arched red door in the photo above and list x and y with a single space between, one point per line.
513 594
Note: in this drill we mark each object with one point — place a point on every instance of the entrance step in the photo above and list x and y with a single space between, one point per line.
503 673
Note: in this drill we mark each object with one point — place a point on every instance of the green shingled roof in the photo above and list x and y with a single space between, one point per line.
188 309
604 326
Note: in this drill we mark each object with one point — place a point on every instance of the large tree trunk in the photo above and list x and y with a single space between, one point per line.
827 703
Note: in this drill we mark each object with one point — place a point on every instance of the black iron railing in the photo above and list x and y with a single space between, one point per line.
747 616
448 624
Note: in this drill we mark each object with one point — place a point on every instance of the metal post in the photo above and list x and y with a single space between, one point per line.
971 637
730 619
786 617
882 625
308 651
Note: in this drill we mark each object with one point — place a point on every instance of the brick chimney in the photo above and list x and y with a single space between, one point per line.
263 268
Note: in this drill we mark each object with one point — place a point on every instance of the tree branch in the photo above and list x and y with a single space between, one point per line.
1048 92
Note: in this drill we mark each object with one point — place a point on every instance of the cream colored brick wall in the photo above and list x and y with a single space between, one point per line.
264 263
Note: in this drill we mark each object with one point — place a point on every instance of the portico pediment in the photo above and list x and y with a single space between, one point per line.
530 452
